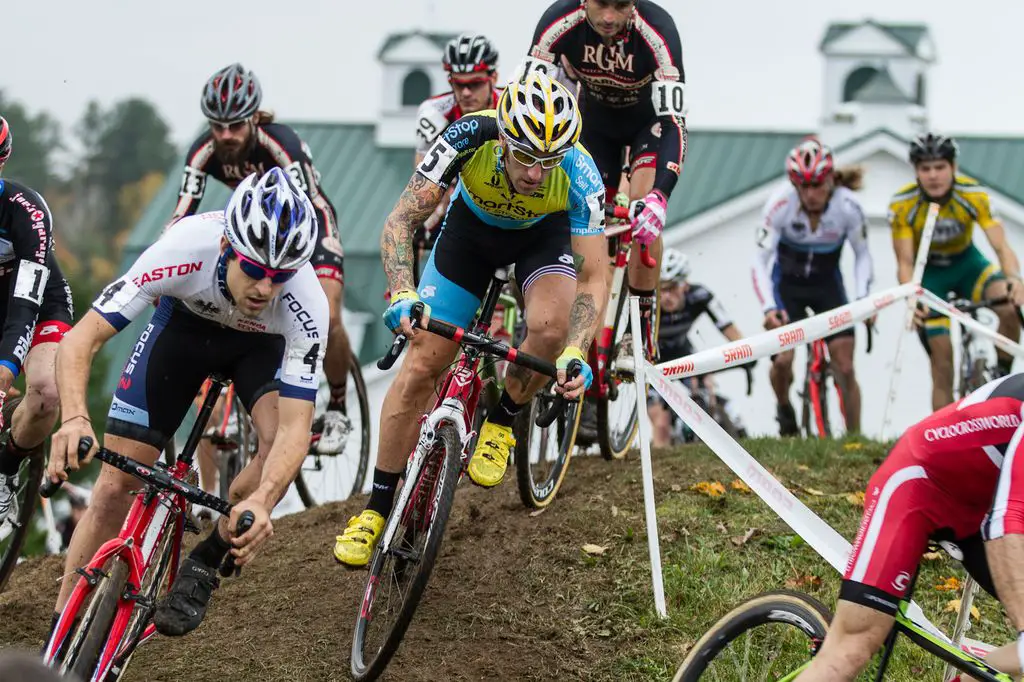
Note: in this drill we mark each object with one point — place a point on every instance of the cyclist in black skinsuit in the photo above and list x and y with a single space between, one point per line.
36 313
241 140
626 56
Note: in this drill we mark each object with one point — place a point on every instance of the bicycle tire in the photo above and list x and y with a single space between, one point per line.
355 375
536 494
615 442
448 467
94 628
231 462
30 476
782 607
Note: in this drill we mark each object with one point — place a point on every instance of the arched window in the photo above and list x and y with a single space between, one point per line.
415 88
856 80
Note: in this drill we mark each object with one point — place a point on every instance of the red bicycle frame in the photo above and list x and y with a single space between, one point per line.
818 367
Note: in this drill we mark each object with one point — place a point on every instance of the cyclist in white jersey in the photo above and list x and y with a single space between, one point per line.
797 265
238 297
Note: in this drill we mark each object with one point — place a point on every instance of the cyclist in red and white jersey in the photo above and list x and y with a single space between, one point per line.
956 476
472 66
797 265
242 139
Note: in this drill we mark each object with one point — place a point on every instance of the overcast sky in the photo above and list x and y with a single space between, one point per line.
749 63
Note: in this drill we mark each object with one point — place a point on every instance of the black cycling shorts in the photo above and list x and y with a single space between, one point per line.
818 295
328 256
174 354
607 137
468 251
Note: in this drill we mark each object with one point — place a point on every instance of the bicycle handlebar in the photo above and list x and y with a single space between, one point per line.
489 346
626 235
970 307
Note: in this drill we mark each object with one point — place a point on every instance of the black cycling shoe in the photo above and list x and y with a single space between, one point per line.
787 420
586 434
184 607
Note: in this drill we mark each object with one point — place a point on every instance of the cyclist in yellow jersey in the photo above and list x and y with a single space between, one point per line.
527 194
954 263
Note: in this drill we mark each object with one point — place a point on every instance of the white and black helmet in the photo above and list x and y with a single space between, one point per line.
469 54
675 266
232 94
269 220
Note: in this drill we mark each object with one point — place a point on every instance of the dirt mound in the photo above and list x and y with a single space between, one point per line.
512 597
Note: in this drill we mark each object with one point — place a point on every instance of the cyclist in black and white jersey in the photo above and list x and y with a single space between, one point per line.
35 314
242 140
797 265
471 62
682 304
238 297
627 58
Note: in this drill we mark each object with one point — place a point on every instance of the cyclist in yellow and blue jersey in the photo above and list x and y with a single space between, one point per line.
526 194
954 263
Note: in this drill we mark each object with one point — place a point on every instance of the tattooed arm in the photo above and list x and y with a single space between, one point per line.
418 200
591 253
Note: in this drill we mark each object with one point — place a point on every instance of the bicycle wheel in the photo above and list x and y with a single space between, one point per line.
542 455
617 419
15 528
231 461
336 476
765 638
400 570
89 638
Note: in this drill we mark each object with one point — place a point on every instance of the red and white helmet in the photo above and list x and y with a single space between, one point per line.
810 163
5 140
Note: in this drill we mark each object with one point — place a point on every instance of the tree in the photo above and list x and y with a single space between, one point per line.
36 139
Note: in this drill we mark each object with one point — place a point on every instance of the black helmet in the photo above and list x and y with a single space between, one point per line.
931 147
469 53
231 94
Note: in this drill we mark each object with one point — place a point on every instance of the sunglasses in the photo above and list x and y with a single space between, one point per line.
259 272
232 126
529 160
471 83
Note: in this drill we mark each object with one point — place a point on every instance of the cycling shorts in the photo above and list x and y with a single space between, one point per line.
967 274
904 508
468 251
818 295
606 137
172 358
56 311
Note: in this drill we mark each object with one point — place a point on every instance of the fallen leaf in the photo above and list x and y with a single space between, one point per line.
537 512
594 550
675 487
803 467
813 491
740 486
741 540
949 585
709 488
953 606
803 582
604 633
856 498
931 556
853 446
615 510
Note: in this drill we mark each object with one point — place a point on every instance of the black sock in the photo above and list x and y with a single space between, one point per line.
647 303
382 494
11 456
337 399
1005 367
212 550
504 413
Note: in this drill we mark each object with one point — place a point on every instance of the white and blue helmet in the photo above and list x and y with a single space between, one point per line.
271 221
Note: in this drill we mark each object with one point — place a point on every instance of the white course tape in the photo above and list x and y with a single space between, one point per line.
822 538
1000 341
787 337
650 513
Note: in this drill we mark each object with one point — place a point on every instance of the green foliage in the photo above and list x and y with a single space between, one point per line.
36 140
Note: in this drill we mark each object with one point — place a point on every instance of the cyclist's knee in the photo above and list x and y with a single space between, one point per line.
425 360
783 362
42 399
856 633
547 337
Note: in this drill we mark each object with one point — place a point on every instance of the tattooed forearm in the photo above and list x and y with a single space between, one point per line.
582 320
396 250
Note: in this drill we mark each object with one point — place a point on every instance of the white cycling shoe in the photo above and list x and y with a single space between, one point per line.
337 426
8 497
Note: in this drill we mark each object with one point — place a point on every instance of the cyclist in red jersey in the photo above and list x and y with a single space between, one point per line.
954 476
472 66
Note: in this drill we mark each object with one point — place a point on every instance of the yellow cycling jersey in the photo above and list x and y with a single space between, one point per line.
968 204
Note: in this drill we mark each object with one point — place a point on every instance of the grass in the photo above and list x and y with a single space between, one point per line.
718 551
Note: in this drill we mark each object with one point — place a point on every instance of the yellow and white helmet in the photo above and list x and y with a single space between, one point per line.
539 115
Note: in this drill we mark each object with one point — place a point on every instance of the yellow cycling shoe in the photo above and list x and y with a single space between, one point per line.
355 546
490 459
